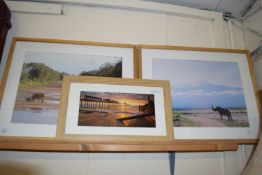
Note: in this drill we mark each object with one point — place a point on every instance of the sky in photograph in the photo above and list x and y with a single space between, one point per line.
128 98
201 84
69 63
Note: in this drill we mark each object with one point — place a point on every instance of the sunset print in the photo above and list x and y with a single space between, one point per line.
116 109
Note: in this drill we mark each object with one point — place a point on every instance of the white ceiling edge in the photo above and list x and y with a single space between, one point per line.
139 5
236 7
35 7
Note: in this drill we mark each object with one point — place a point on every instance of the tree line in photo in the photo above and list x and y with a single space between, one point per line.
41 74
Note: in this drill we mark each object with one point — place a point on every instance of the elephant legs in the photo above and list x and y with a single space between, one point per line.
229 117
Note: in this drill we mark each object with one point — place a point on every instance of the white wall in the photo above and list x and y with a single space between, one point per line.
252 40
135 27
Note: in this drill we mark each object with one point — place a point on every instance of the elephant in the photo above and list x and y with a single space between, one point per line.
38 96
28 99
223 111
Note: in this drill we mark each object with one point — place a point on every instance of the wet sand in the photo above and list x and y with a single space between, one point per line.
95 118
209 118
51 101
37 112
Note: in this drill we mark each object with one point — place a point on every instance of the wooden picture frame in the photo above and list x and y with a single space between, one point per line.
31 86
97 109
232 81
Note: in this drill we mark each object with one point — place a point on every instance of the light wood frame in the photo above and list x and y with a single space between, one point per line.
210 51
160 90
74 145
127 53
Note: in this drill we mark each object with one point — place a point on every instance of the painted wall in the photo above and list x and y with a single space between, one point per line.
136 27
252 40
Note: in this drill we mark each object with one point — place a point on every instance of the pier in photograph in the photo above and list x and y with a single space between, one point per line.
112 109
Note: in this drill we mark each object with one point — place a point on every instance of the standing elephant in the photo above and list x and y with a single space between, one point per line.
38 96
223 111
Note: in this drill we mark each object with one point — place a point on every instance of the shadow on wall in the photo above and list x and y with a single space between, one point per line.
16 169
260 93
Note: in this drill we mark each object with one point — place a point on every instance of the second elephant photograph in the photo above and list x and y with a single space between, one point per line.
211 95
212 90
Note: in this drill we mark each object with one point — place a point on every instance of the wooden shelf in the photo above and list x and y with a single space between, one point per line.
60 145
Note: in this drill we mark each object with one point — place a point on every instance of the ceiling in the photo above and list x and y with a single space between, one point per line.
236 7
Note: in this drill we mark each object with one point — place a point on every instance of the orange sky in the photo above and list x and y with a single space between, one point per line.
131 101
128 98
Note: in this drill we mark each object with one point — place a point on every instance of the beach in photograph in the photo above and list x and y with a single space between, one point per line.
37 112
39 92
116 109
204 93
209 118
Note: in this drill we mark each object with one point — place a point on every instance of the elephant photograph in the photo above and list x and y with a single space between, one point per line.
39 91
204 93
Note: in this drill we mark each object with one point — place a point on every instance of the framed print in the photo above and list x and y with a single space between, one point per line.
31 86
108 109
212 90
